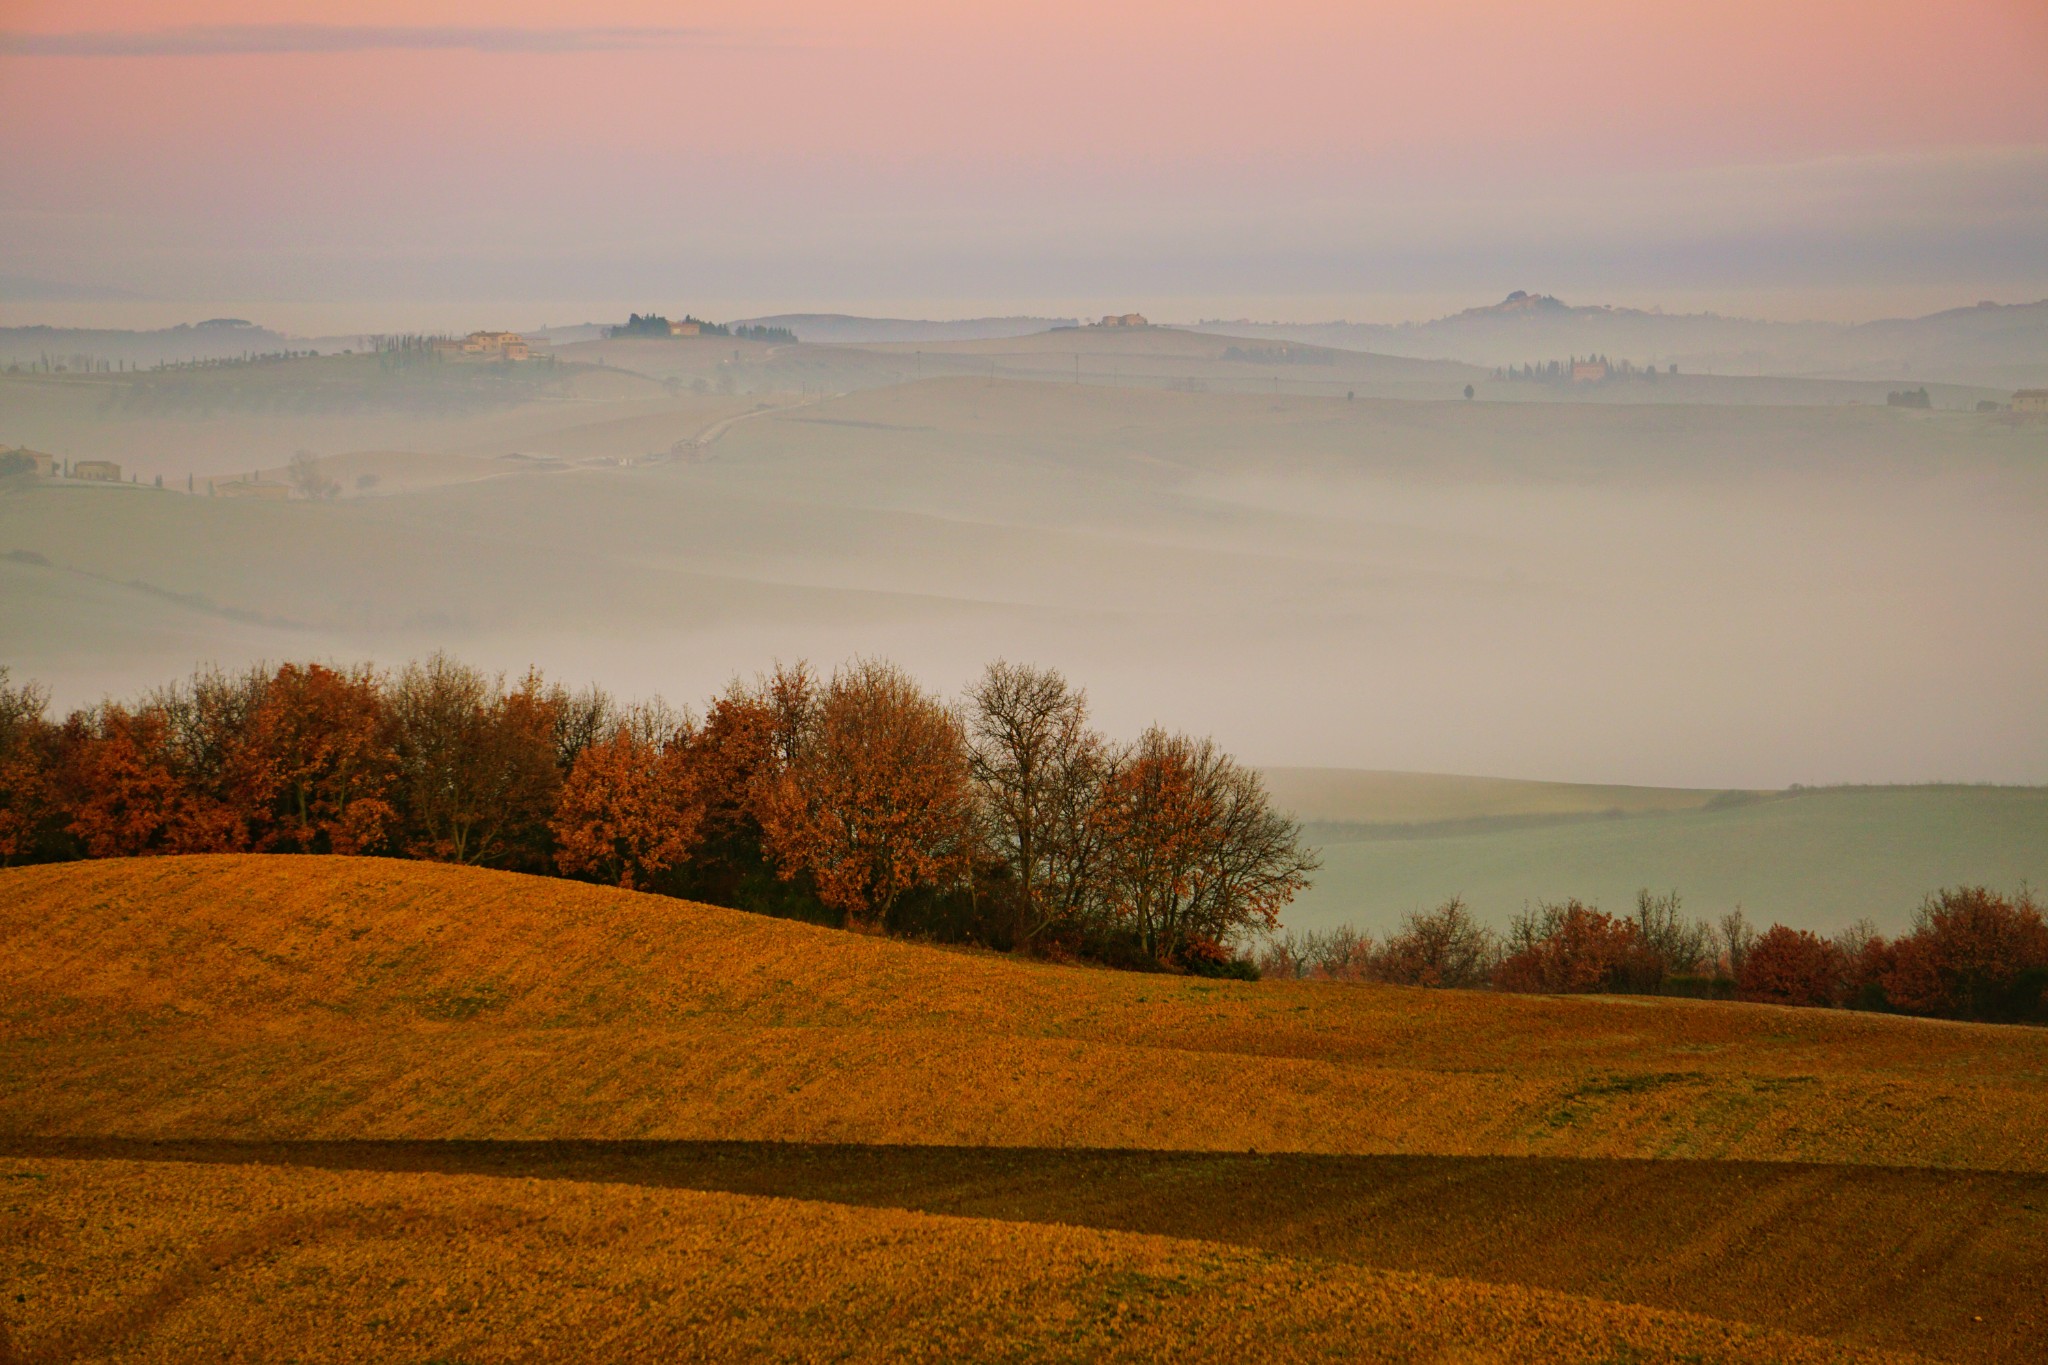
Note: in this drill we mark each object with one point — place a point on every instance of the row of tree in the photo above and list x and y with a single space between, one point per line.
861 799
1972 953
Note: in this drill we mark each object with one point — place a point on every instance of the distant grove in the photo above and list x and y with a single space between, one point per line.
1972 953
860 799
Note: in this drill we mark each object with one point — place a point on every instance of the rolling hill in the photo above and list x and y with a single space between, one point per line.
1988 344
332 1065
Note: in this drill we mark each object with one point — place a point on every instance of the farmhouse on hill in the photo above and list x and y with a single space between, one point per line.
1588 371
1123 320
2030 400
485 346
641 325
96 471
20 459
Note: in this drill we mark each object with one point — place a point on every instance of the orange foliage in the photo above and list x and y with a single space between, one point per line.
875 802
127 797
1192 852
315 764
1973 954
1445 947
629 810
26 789
1791 967
1572 948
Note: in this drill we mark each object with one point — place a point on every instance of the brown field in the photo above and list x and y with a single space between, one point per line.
178 1033
112 1266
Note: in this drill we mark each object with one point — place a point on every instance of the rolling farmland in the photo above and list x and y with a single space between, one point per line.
318 1059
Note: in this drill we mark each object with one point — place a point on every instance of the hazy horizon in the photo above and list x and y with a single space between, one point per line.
324 166
1751 572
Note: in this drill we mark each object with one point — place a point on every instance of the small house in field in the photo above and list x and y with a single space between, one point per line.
267 490
96 471
1124 320
1588 371
688 327
2030 400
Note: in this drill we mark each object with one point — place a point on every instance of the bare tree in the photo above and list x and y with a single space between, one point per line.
1737 937
1682 945
307 478
1037 767
477 763
1441 947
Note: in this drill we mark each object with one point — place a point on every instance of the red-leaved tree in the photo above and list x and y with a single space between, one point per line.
315 766
629 811
122 784
874 800
1973 954
1573 948
1792 967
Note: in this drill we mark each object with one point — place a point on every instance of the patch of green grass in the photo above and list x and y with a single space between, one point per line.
1816 860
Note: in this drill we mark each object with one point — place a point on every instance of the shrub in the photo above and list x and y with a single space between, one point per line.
1445 947
1973 954
1698 987
1339 954
1791 967
1574 948
1206 957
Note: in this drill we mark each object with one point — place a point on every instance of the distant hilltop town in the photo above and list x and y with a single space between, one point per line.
1591 369
656 326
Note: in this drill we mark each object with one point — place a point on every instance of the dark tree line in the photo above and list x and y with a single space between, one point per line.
859 799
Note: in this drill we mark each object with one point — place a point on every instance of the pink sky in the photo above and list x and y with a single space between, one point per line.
1019 134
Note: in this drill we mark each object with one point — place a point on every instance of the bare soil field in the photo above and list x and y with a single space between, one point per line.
357 1072
146 1261
1738 1241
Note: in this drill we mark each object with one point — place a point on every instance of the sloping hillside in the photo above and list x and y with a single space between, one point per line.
298 998
388 1267
419 1111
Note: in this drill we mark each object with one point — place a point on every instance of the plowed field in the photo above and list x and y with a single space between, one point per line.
354 1069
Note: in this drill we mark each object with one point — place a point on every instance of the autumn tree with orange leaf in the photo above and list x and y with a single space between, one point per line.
874 802
629 811
316 766
30 819
1791 967
1194 854
128 794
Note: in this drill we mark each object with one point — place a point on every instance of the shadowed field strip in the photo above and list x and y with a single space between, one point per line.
1945 1263
300 1079
174 1261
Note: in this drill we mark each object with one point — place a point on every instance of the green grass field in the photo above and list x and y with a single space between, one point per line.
1817 859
